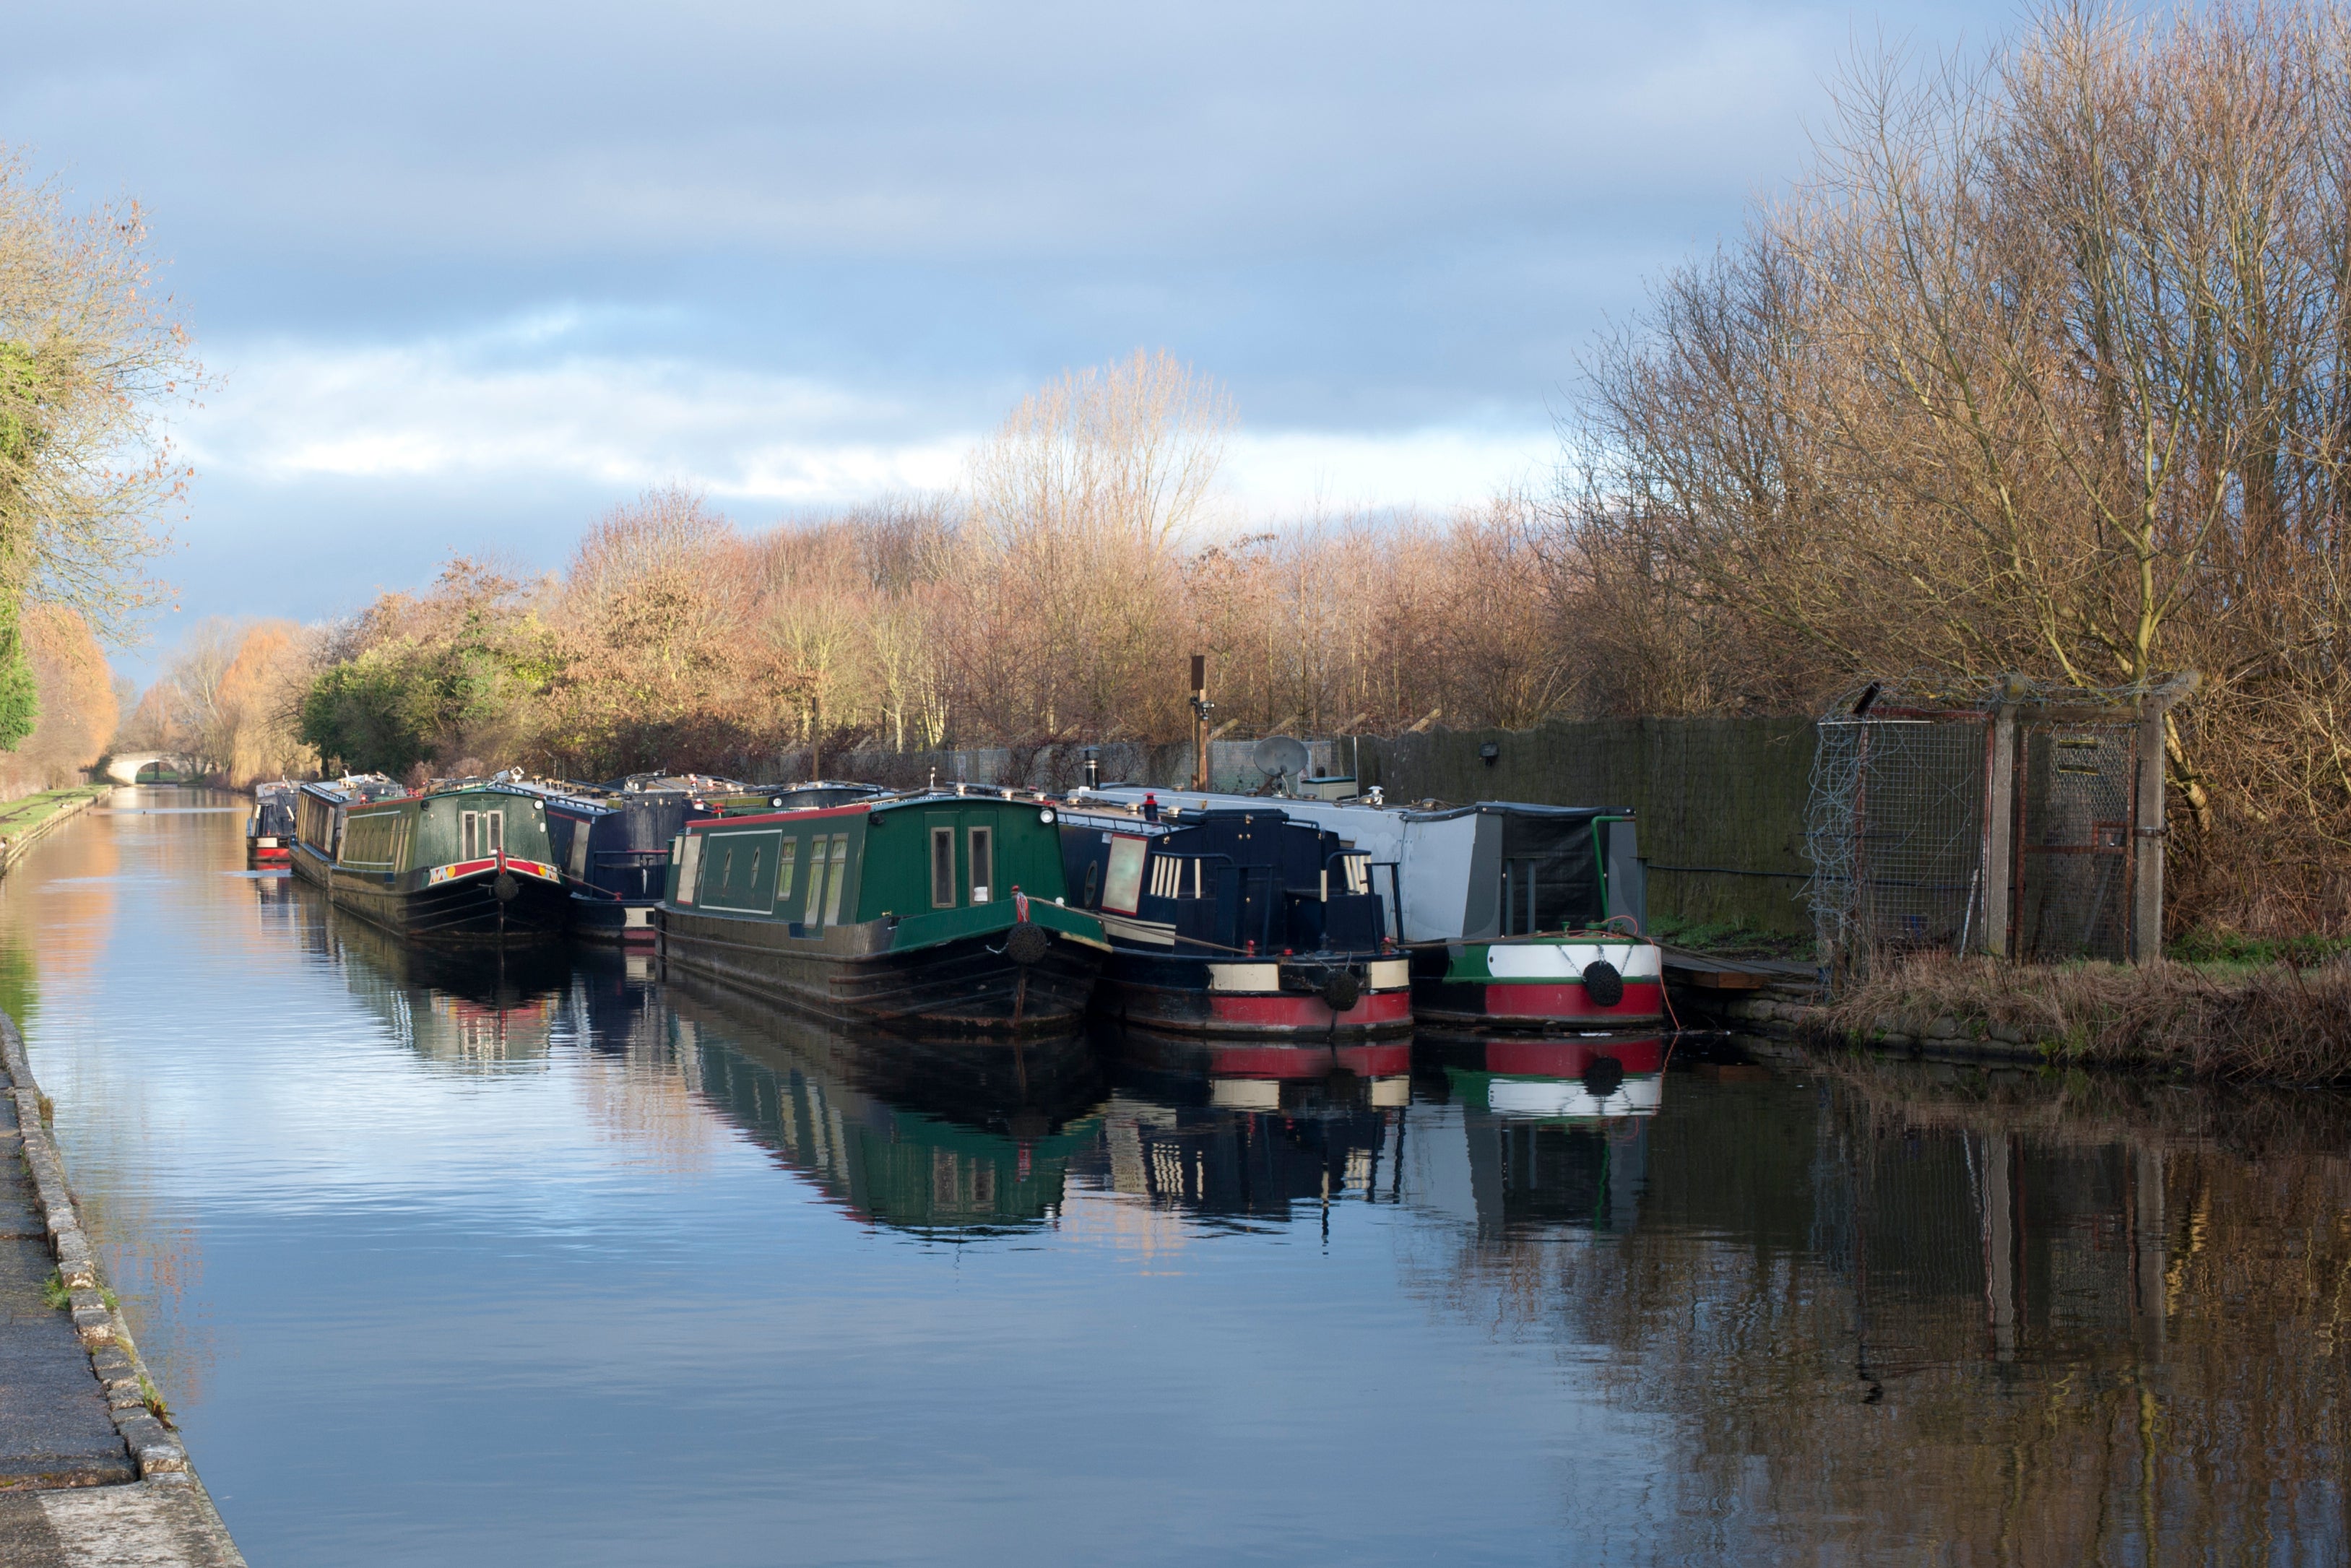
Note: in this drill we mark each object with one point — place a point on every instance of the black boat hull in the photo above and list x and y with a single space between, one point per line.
464 911
613 922
845 976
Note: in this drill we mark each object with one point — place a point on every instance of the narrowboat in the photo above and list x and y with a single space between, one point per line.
321 810
613 840
1238 922
269 831
463 862
934 911
1517 918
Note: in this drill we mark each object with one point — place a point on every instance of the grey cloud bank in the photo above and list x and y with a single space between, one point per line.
507 263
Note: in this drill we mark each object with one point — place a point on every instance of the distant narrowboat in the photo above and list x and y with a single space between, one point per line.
321 810
1235 923
269 831
937 911
1519 918
463 862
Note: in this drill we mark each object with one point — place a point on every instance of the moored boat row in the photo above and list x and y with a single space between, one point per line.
987 910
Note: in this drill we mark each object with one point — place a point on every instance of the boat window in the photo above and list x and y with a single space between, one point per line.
469 834
689 867
1122 888
983 865
580 850
840 875
754 886
943 868
494 834
814 914
784 859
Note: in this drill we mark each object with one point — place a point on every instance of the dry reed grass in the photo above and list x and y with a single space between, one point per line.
2276 1023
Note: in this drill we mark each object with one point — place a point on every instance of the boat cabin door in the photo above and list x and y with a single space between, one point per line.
961 850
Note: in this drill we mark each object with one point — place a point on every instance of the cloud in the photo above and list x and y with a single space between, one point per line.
514 404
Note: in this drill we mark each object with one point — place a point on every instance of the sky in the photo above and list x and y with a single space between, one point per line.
463 277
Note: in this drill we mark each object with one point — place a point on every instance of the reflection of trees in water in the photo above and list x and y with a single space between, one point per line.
633 1082
1900 1314
944 1139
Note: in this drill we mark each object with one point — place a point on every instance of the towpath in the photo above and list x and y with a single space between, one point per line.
88 1475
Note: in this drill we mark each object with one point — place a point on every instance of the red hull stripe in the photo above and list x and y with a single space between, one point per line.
1569 1058
1642 999
1308 1061
474 868
1296 1010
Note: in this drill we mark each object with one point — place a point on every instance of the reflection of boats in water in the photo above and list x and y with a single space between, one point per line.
451 1005
927 1136
1554 1133
1260 1075
1251 1127
1587 1079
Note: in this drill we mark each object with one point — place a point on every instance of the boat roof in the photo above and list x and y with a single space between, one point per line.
354 787
1189 801
882 799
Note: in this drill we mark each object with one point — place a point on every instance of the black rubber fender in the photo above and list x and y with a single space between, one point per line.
1602 983
1341 990
1028 942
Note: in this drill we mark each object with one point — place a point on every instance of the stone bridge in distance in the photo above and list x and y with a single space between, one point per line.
126 768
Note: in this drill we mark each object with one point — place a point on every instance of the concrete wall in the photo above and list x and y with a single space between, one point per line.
1722 797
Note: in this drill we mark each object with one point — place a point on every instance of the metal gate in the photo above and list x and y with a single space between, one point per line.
2076 821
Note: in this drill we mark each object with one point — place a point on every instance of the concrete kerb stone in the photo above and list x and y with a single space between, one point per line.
114 1355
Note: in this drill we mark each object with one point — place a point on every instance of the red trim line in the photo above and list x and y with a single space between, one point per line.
474 868
802 815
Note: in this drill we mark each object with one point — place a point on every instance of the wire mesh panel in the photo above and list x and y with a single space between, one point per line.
2074 812
1895 832
1995 815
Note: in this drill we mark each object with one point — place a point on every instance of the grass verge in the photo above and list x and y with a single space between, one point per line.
2278 1023
1727 940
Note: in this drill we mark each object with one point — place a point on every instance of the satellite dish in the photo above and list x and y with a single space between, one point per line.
1279 756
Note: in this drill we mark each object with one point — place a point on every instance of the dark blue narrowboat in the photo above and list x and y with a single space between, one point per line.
1235 923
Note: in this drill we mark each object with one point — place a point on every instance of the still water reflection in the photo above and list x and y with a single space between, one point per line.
546 1262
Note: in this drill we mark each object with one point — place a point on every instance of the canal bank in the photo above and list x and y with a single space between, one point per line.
25 821
89 1473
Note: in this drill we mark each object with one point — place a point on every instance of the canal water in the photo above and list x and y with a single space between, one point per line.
548 1263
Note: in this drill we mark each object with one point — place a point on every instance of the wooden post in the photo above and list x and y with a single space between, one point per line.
1200 706
2148 827
1999 825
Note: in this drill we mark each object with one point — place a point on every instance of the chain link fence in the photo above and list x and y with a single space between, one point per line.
1996 816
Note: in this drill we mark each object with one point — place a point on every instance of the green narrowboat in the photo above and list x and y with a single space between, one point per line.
461 863
939 911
